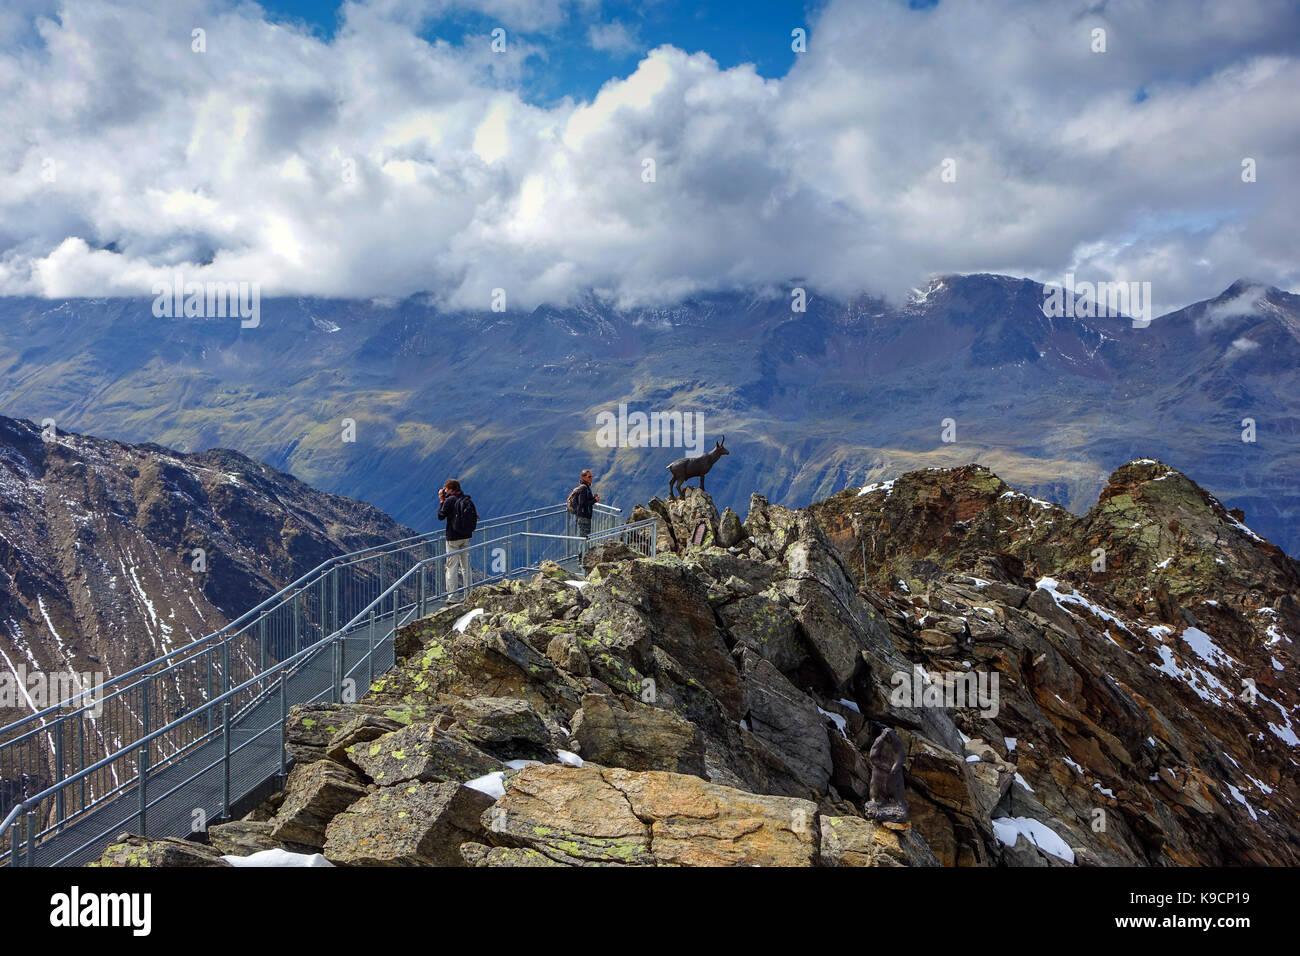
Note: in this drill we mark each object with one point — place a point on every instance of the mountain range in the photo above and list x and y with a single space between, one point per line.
810 402
113 554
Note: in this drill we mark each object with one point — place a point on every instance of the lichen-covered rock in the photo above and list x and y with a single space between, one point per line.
313 795
245 837
421 752
618 732
415 824
362 728
478 854
131 850
730 531
610 816
504 726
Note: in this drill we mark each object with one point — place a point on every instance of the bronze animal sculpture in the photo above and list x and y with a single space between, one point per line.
887 803
685 468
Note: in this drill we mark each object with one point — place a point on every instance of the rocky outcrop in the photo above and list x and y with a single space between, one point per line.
420 824
717 705
1142 650
131 850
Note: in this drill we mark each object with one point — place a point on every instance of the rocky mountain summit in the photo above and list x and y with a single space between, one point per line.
1106 690
113 554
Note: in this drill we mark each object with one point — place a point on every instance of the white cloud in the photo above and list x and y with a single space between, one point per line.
378 164
613 37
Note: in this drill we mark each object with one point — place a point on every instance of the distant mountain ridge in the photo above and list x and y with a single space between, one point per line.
99 541
842 394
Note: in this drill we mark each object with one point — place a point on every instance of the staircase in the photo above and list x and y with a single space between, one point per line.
197 735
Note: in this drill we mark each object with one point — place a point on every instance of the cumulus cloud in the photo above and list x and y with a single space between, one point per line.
378 164
614 37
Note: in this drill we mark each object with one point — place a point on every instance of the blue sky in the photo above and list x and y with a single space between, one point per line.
734 32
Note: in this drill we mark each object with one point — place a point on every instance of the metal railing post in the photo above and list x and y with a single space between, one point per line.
225 747
261 637
528 543
81 758
336 677
370 655
284 725
141 777
208 656
59 806
424 570
31 838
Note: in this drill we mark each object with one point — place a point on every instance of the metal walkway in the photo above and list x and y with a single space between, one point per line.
227 696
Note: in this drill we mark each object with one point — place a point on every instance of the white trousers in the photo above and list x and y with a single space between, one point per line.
457 560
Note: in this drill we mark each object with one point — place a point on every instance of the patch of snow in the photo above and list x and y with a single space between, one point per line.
278 858
1024 783
577 584
493 784
841 723
521 764
851 705
1236 795
1052 587
1009 829
568 758
1206 649
462 622
887 486
1011 744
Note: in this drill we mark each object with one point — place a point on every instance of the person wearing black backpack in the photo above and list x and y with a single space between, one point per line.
457 509
582 502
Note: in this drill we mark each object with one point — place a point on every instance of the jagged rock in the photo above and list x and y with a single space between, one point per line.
789 726
245 837
131 850
502 726
609 816
478 854
418 824
566 652
851 774
766 626
853 841
691 521
609 551
617 732
420 752
730 531
1103 698
311 727
638 604
360 729
313 795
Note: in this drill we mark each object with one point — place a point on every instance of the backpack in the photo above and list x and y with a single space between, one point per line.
469 514
573 505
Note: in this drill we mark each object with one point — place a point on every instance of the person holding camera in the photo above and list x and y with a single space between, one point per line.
457 509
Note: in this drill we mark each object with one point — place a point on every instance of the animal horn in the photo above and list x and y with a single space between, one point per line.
722 440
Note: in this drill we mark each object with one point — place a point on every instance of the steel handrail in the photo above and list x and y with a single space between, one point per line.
296 587
278 670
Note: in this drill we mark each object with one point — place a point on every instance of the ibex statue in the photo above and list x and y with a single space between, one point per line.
684 468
